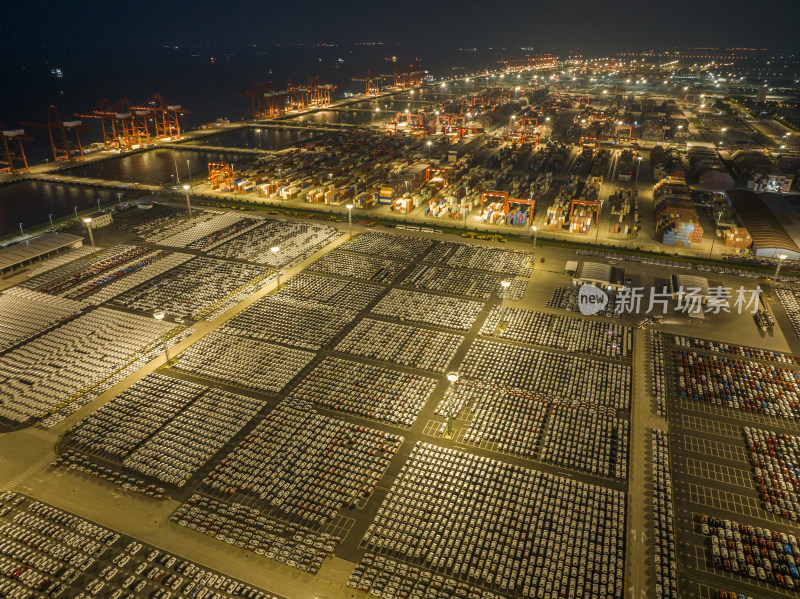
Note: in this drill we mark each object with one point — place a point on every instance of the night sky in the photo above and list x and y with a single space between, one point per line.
563 25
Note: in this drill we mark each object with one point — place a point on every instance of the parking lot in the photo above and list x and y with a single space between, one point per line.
714 476
299 431
47 552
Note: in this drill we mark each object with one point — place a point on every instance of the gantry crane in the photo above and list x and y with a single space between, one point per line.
413 122
266 102
12 161
503 196
372 83
220 174
407 77
311 95
320 93
116 125
140 130
165 116
65 140
437 175
524 129
449 122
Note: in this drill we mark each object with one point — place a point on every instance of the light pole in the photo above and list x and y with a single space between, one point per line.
159 316
534 229
430 143
597 232
453 378
714 236
638 166
275 250
50 216
781 258
76 214
188 204
189 175
505 284
88 222
119 197
350 221
21 232
259 139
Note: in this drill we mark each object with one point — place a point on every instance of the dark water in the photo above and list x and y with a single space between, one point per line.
203 80
157 166
29 202
246 137
350 117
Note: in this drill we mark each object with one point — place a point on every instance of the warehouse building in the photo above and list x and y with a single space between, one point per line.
32 250
685 286
600 275
770 238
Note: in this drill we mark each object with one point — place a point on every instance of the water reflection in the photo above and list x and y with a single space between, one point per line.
30 202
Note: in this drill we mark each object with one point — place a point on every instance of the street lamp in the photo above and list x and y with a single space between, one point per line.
188 204
714 237
88 222
597 232
534 229
638 166
159 316
350 221
453 378
275 250
50 216
189 170
259 138
781 258
430 143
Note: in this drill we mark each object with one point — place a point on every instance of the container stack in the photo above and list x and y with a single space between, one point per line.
437 207
761 182
677 222
621 203
680 233
582 219
737 237
591 189
658 161
558 212
494 213
385 195
653 130
518 215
